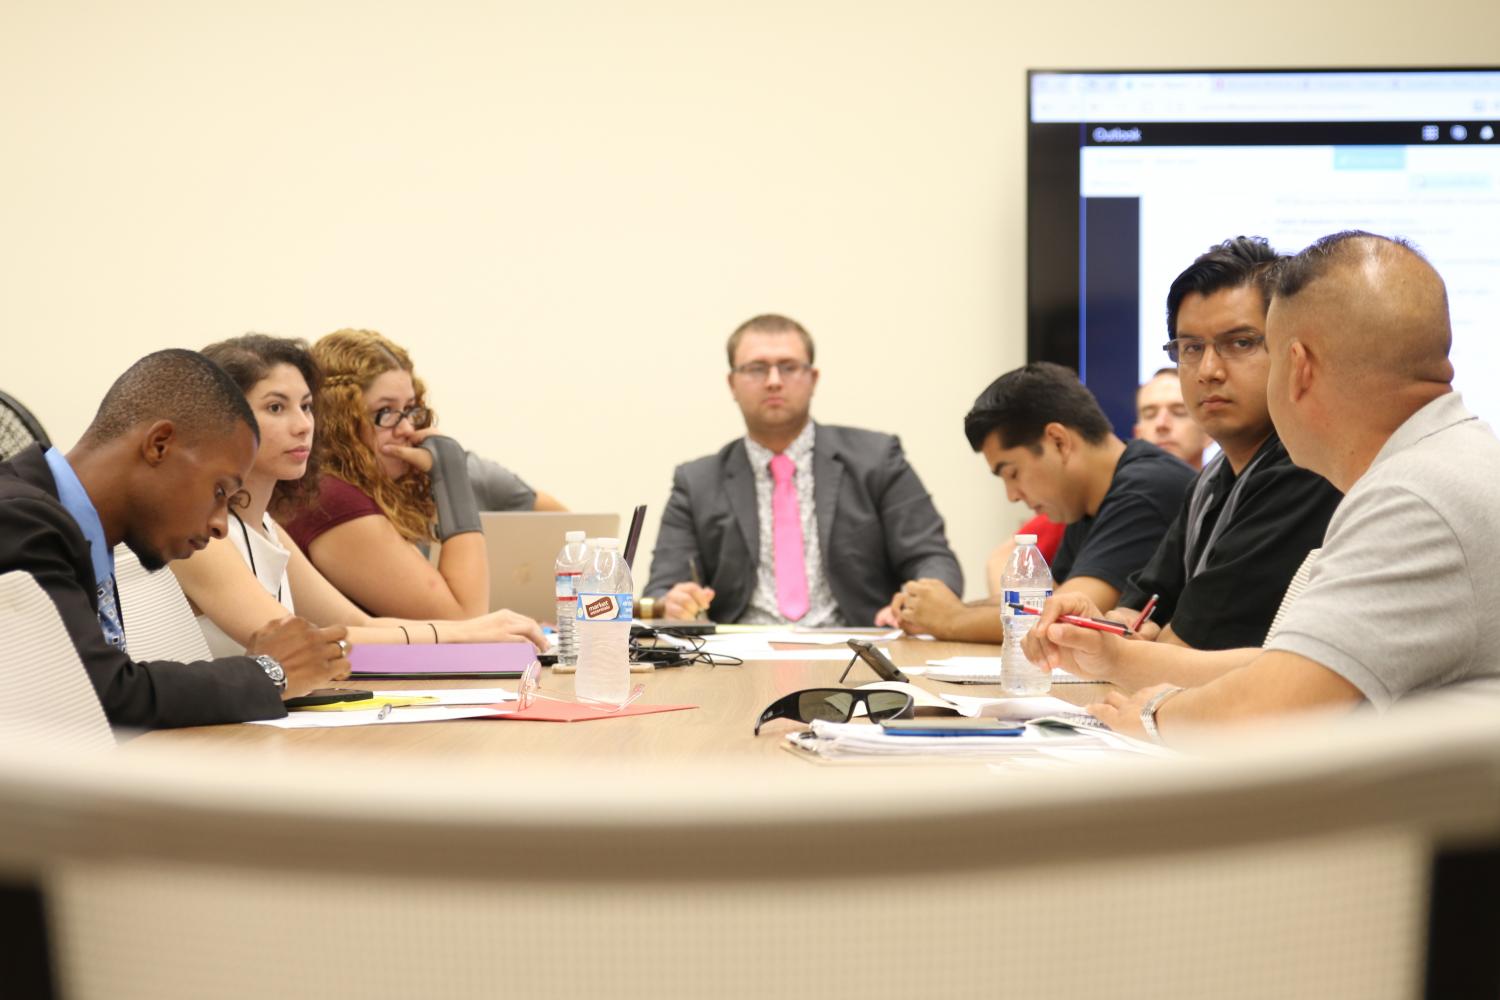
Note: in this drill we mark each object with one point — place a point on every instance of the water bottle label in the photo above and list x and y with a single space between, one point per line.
567 585
605 607
1032 598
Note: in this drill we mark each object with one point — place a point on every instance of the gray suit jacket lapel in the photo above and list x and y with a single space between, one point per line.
739 485
827 474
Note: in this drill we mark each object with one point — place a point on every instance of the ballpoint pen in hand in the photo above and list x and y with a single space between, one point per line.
1145 613
1097 624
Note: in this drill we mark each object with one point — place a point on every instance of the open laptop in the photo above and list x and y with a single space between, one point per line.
522 550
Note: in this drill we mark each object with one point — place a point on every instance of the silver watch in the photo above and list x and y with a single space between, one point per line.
273 670
1149 710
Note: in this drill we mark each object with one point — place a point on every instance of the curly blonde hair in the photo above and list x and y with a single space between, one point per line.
351 360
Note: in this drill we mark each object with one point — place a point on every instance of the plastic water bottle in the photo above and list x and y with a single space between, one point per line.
568 569
605 604
1028 582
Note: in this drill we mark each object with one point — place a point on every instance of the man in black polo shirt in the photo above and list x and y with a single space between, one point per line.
1251 516
1043 434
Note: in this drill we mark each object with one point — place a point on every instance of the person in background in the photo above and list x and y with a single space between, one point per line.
1161 417
497 488
390 484
1252 516
797 521
1402 598
239 583
158 469
1043 434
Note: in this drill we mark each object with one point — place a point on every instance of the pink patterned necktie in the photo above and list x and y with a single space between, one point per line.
786 537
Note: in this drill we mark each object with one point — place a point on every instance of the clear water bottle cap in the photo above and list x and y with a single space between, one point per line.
573 536
607 543
1025 539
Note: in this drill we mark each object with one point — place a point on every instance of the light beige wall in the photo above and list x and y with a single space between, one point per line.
566 199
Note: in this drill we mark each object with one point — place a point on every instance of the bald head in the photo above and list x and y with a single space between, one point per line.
1371 308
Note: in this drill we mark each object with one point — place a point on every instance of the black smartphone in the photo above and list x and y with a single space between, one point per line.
327 696
883 667
953 727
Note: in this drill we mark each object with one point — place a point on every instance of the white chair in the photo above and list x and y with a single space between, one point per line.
1297 867
44 691
159 622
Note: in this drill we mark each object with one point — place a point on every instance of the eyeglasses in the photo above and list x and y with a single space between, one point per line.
1188 351
530 689
759 371
387 418
836 705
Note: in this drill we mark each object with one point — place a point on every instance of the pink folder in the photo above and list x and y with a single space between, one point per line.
446 659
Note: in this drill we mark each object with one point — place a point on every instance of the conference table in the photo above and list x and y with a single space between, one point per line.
728 700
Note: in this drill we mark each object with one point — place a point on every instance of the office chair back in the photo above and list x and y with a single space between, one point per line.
159 622
1295 867
44 691
19 429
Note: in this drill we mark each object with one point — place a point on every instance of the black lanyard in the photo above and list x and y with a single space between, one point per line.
250 554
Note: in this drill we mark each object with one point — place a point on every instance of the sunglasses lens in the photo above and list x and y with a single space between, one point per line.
887 704
831 706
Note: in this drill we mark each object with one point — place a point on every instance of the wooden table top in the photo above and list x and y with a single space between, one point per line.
729 699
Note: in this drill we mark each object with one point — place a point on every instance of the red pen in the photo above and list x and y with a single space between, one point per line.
1145 613
1097 624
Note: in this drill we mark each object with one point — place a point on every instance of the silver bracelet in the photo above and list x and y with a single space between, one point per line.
1149 710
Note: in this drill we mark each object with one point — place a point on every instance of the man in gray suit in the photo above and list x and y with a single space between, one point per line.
796 522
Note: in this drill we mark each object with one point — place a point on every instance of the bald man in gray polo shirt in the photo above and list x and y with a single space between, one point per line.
1405 596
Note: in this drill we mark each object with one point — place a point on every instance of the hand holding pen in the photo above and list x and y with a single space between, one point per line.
1082 621
1072 635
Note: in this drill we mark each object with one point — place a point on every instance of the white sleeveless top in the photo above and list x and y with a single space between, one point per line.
267 560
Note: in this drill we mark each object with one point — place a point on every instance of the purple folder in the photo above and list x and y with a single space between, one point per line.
447 659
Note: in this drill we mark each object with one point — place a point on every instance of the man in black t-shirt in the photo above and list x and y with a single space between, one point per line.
1043 434
1252 516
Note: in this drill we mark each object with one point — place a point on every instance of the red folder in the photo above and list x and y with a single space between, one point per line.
546 710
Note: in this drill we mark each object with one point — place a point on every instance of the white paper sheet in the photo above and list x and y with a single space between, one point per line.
453 696
748 647
340 720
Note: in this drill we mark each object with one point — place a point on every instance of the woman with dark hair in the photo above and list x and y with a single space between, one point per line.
243 585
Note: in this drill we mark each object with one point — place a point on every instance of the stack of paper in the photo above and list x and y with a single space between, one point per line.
978 670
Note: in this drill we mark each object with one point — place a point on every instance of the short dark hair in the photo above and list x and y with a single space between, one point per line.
1295 273
1244 260
1021 403
177 385
1167 370
249 358
769 323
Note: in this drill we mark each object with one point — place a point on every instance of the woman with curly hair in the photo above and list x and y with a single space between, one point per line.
244 582
390 483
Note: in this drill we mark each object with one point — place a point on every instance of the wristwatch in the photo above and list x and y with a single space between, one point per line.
1149 710
273 670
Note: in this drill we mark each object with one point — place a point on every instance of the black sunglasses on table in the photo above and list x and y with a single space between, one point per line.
836 705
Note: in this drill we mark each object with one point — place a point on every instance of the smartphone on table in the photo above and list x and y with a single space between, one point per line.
953 727
883 667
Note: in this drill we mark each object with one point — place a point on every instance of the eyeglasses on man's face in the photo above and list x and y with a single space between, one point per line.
1188 351
386 417
759 371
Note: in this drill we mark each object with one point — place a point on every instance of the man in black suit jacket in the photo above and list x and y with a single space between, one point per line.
157 469
866 522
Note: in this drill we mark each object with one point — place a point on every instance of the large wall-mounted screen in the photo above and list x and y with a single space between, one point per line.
1131 174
